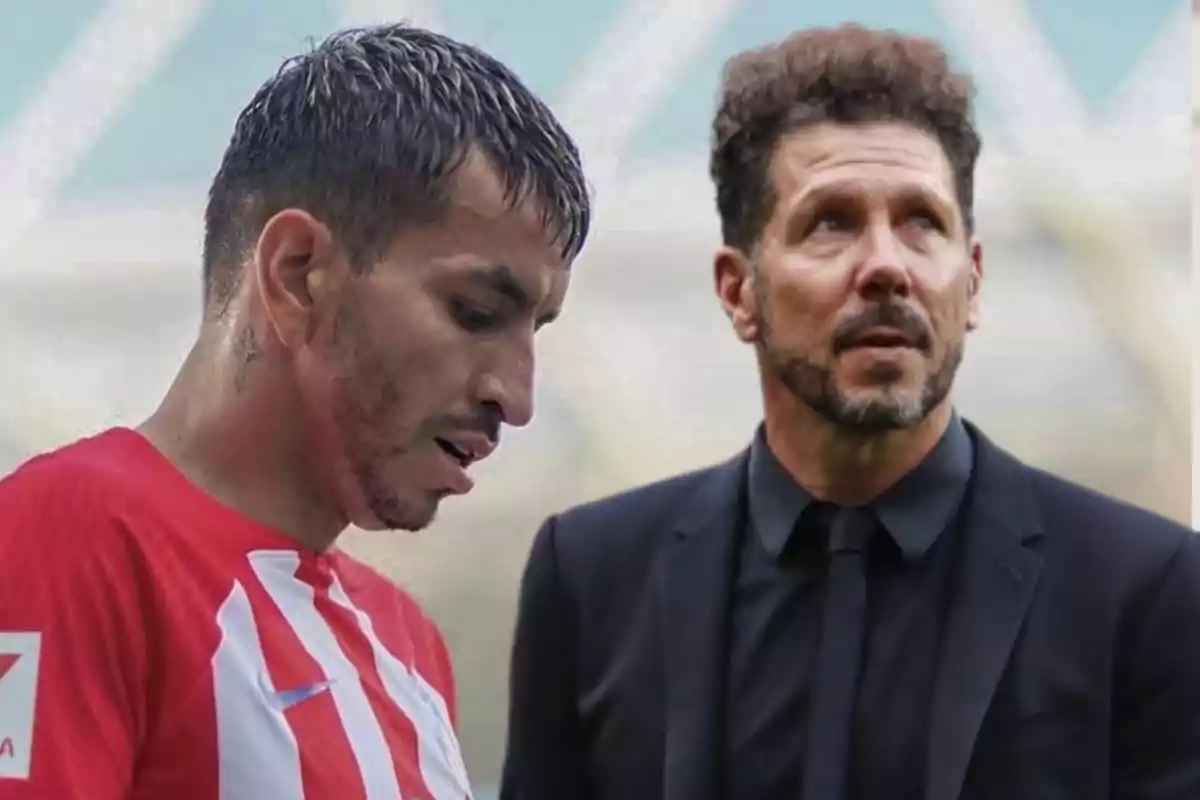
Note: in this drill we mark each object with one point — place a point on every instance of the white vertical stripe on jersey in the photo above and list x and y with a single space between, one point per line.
257 755
276 570
437 746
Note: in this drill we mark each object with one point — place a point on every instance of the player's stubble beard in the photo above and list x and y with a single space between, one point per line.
368 393
871 412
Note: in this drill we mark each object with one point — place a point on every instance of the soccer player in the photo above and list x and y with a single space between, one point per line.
392 221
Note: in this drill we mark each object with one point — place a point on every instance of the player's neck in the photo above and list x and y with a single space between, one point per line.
236 439
838 466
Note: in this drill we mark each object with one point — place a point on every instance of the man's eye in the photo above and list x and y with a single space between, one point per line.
471 317
831 223
925 220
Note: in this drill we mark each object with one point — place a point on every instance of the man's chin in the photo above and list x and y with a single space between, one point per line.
397 516
878 410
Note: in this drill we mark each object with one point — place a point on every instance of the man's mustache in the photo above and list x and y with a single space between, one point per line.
889 315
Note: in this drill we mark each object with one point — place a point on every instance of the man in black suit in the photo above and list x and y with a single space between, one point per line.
873 601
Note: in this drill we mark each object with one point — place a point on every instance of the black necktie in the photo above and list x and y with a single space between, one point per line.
839 657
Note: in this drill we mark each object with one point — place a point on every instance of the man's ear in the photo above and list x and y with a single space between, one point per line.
298 269
734 279
974 285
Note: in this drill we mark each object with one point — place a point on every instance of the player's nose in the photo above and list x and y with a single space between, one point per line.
510 393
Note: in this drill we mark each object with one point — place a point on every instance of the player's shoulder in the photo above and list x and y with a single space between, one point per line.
73 516
89 480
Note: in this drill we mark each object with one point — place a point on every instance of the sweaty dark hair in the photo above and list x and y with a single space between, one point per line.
367 130
848 74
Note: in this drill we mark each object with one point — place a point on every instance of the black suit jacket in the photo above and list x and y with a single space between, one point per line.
1070 667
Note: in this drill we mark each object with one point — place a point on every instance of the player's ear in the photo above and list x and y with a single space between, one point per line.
298 269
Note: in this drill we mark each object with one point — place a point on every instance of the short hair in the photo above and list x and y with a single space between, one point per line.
366 132
848 74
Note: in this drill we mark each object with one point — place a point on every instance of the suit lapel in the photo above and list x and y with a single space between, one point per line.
696 586
997 576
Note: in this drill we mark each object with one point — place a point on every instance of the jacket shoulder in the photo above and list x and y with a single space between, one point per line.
1121 532
1087 528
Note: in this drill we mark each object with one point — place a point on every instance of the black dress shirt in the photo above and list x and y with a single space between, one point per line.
776 620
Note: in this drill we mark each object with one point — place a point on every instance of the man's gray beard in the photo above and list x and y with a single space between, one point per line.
880 412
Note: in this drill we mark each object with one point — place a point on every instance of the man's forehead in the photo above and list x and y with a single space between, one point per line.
479 203
479 190
476 184
889 185
839 159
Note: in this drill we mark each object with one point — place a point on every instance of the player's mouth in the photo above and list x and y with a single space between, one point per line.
466 449
461 451
462 457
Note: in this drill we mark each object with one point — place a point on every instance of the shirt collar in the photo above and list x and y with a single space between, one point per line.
914 511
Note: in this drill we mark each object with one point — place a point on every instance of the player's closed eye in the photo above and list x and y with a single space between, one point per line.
472 317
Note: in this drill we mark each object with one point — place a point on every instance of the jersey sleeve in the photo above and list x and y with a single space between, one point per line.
73 647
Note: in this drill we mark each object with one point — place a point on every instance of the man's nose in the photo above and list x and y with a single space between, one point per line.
509 392
882 270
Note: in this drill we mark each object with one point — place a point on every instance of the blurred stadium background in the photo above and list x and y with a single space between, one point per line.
115 113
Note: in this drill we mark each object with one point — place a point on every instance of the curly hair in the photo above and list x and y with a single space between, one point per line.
848 74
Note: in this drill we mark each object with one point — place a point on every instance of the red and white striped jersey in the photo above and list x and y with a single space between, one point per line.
156 644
